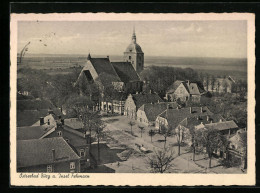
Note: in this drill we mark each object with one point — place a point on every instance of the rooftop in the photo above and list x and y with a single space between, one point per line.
39 152
144 98
222 125
32 132
125 71
154 109
175 116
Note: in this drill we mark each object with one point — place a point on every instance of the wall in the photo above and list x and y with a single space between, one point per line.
141 117
130 108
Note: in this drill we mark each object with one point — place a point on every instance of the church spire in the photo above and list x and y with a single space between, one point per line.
134 36
89 56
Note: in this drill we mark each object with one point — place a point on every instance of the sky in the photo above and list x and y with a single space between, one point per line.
226 39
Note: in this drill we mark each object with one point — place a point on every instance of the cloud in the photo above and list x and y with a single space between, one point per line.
191 28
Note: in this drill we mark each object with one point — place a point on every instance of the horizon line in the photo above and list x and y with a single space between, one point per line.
146 56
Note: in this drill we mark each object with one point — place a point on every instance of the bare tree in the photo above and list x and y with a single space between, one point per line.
98 126
166 132
181 134
141 129
131 123
161 160
151 134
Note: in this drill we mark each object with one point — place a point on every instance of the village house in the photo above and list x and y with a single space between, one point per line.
220 85
237 152
135 101
184 91
147 113
70 129
46 156
172 117
36 112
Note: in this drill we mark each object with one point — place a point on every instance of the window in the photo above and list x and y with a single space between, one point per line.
129 57
67 140
49 168
59 133
82 153
72 165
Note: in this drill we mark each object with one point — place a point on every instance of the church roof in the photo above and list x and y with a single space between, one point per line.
103 65
125 71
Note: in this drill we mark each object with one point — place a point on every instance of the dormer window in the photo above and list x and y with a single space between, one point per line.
59 133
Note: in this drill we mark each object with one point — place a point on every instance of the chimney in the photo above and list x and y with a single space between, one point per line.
41 120
220 120
197 117
150 91
201 123
201 109
151 103
207 118
53 155
136 92
211 121
190 110
158 101
188 82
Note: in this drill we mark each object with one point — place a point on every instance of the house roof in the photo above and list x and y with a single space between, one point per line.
30 117
224 125
39 152
144 98
125 71
193 88
174 86
32 132
175 116
193 121
153 110
33 104
73 123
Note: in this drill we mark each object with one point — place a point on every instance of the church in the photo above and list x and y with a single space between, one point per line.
123 76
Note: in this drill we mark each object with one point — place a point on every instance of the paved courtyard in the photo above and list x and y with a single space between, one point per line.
119 135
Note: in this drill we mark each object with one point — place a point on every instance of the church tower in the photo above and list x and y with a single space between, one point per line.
135 55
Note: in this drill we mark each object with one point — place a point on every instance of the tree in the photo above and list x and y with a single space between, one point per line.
131 123
151 134
81 107
98 126
194 139
161 160
166 132
181 134
141 129
211 140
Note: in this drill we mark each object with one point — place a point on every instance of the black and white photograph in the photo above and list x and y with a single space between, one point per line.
132 94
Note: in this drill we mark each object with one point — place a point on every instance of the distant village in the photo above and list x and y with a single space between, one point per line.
113 99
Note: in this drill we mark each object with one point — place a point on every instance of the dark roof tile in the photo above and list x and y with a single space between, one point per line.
39 151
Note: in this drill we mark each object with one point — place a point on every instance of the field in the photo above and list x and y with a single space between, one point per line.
236 68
